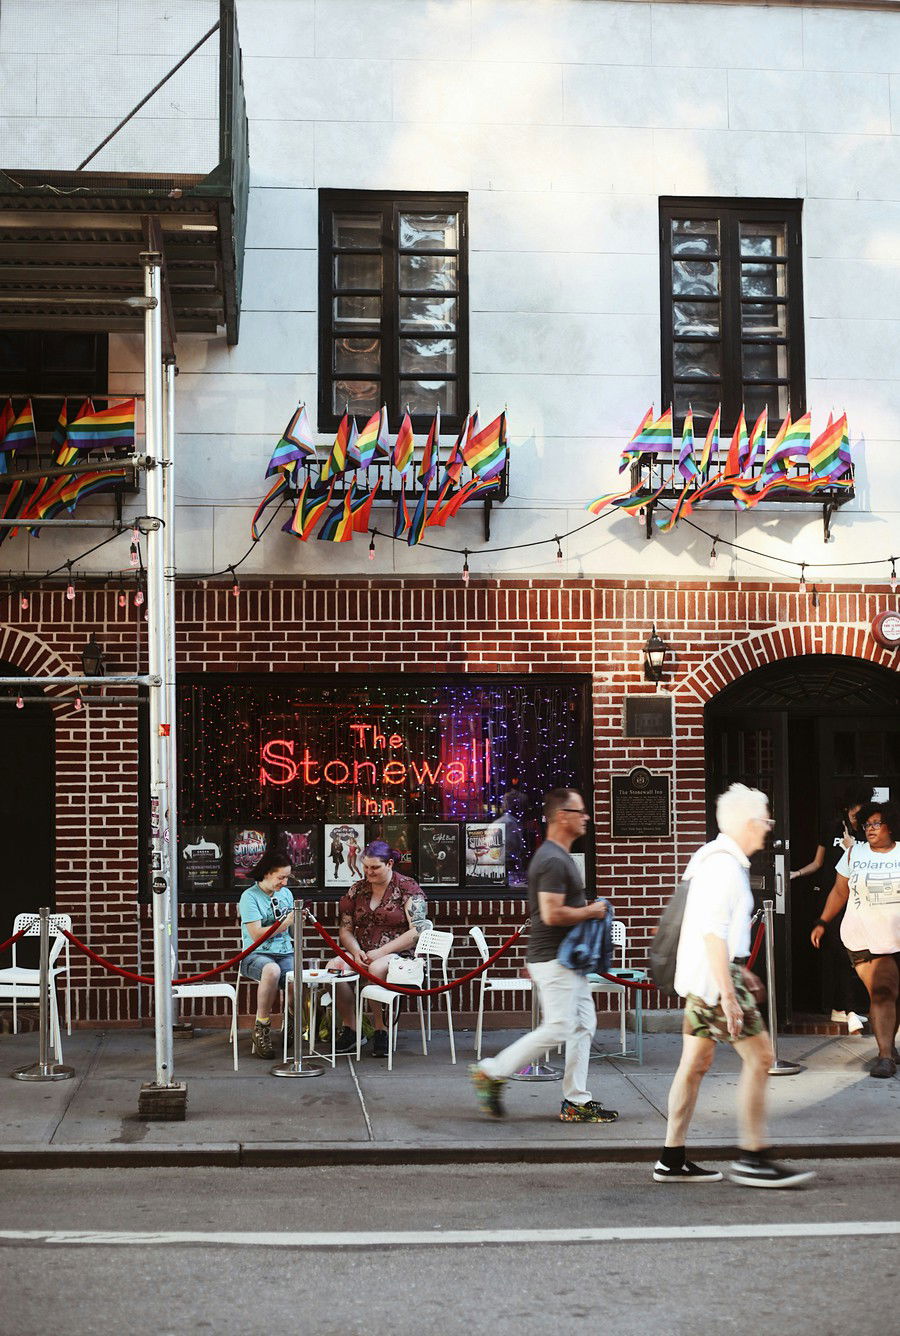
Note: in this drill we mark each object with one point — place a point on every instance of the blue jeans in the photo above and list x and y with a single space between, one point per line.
252 966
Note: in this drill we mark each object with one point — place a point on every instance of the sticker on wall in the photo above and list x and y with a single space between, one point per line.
299 844
486 854
202 859
344 844
439 854
248 844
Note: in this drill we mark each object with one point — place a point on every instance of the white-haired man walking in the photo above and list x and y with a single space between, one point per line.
719 1007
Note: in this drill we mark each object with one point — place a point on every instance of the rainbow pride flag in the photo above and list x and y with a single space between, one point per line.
336 463
312 500
402 519
757 446
686 464
337 526
636 445
485 452
361 508
12 508
429 464
775 458
711 444
279 487
454 466
85 483
368 441
404 446
829 454
737 451
795 445
296 443
111 427
21 431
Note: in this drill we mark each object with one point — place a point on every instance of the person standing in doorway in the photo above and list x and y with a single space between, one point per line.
844 998
557 901
719 1005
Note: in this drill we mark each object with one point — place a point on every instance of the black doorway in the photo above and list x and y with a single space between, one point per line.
26 812
801 730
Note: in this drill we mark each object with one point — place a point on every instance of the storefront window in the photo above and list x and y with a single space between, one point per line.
452 774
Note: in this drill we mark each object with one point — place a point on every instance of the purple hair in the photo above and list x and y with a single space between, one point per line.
381 849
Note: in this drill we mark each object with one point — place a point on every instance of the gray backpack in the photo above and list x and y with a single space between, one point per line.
664 945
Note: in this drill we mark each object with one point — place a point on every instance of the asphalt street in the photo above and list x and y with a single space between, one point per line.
282 1249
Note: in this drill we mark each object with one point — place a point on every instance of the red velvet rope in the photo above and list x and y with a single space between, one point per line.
10 940
190 978
416 992
760 931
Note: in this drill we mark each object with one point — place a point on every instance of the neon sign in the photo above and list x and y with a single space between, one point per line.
283 763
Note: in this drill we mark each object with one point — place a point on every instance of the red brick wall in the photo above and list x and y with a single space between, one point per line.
590 626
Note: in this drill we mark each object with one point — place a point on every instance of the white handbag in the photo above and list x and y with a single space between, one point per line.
408 973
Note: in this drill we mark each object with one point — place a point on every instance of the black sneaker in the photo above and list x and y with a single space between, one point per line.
591 1112
346 1040
380 1044
684 1173
760 1173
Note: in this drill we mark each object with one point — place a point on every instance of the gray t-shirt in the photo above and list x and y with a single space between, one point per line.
552 869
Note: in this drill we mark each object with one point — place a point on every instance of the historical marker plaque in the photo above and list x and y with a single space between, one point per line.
641 807
648 716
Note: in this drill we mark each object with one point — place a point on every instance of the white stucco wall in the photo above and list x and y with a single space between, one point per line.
565 120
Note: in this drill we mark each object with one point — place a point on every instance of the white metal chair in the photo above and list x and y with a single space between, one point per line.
24 985
504 983
375 992
217 989
599 985
438 944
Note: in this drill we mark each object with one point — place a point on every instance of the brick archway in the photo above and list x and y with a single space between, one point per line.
28 652
782 642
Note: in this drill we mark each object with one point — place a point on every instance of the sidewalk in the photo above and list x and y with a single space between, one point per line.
424 1111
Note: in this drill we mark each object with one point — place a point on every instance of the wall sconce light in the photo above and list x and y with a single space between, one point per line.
92 661
655 652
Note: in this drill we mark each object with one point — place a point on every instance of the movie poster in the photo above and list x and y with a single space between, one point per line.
342 852
399 835
299 844
439 854
202 859
486 854
248 844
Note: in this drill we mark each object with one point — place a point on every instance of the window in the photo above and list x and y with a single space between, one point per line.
393 306
55 363
732 309
452 772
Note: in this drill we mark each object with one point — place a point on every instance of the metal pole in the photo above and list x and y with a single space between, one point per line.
295 1066
44 1069
168 515
164 1098
778 1068
536 1071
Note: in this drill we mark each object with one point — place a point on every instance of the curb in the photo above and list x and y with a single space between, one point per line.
252 1155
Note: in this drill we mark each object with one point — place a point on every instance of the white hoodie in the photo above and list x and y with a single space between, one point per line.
719 901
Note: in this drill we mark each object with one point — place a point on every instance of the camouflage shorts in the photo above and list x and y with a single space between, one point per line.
708 1022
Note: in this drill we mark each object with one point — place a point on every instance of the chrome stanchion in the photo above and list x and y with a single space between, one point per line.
536 1071
44 1069
779 1067
296 1066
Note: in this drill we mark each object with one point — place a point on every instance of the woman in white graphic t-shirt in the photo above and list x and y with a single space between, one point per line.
868 883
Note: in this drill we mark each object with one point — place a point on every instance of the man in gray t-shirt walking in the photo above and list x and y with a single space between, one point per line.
557 902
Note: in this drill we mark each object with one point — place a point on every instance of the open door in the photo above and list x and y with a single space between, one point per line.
26 817
751 747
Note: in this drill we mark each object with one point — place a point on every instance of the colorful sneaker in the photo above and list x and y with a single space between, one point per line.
591 1112
757 1172
489 1092
685 1173
261 1046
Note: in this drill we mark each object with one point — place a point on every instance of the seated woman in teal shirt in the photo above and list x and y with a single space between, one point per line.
260 905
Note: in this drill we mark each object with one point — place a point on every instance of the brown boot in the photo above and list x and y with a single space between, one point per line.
262 1040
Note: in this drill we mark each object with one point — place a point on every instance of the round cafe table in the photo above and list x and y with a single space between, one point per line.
315 981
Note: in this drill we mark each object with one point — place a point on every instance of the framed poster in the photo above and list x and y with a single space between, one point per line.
399 835
439 854
249 840
202 859
486 854
299 843
342 852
